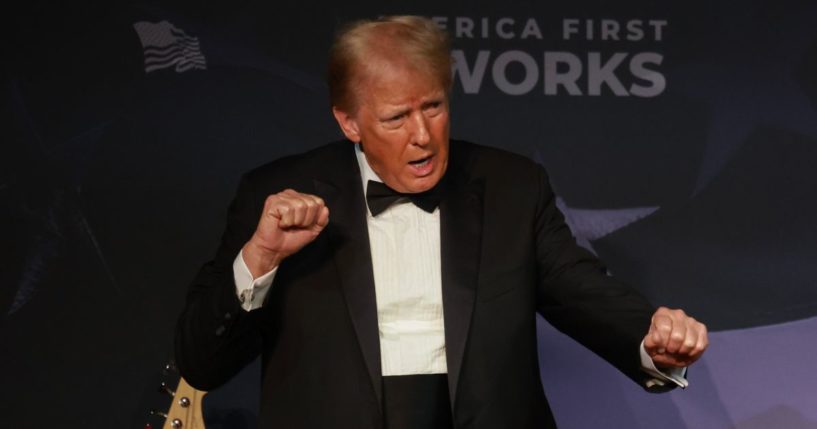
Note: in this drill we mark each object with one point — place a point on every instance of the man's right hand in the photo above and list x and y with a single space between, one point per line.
290 221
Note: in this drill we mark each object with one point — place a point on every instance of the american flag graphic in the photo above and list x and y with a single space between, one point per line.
166 46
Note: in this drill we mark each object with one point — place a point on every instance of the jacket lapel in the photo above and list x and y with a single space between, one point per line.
349 237
460 249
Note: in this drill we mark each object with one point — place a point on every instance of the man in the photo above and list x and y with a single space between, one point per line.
394 282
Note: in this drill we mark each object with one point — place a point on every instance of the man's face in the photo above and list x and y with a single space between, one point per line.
402 123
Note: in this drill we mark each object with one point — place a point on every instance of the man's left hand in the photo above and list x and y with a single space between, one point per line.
675 340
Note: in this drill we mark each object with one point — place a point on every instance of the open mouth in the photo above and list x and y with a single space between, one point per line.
421 162
423 166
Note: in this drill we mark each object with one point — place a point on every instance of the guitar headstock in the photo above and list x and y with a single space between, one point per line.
185 407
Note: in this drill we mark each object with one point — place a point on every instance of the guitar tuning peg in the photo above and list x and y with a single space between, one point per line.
175 423
164 388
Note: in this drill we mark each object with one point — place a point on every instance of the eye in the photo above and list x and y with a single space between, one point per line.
433 107
394 121
396 117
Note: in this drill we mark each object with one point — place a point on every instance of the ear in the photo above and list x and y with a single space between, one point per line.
348 124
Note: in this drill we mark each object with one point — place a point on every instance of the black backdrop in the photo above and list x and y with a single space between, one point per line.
681 140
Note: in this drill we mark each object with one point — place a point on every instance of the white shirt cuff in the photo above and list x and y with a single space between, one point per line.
251 292
671 375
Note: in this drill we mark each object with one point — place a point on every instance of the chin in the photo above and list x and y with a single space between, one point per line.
425 183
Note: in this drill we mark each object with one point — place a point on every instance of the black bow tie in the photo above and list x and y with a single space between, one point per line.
379 197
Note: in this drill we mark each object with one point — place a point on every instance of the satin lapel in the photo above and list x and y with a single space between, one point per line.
349 237
460 248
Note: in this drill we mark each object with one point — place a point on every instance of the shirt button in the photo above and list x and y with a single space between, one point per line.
246 295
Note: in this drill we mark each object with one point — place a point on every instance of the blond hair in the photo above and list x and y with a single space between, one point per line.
362 46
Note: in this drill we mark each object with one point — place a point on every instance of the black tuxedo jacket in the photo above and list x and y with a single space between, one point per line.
506 255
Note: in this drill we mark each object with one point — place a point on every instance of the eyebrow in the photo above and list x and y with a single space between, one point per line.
393 114
401 109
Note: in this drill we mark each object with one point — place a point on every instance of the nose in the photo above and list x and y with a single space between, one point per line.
419 131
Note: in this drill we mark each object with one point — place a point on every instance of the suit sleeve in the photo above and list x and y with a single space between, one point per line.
577 296
215 337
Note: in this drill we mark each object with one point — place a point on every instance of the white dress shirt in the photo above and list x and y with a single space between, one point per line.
405 247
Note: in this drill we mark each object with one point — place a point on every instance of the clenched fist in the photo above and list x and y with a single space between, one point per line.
675 339
290 220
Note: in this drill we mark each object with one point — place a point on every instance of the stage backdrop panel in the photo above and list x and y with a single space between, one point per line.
680 138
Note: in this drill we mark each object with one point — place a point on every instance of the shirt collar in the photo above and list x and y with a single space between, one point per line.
366 172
